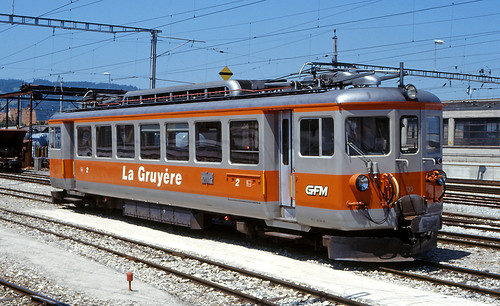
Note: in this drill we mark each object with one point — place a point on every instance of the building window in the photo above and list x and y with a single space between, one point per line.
409 134
244 142
103 141
433 134
84 141
55 137
177 141
125 146
367 136
150 141
208 141
316 137
477 132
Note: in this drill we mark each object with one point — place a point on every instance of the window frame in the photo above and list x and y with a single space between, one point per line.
97 138
253 151
321 140
483 126
120 147
417 149
185 157
78 143
362 147
218 143
438 134
54 141
156 142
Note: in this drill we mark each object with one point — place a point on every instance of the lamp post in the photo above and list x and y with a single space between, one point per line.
109 79
436 42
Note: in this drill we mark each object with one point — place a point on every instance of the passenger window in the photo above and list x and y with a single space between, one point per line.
316 137
55 137
84 141
177 141
244 142
367 136
125 146
150 141
433 134
208 141
409 134
103 141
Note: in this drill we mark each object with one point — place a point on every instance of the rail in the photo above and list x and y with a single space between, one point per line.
35 296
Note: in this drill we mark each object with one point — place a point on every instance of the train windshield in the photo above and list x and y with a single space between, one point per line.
367 135
409 134
55 137
433 134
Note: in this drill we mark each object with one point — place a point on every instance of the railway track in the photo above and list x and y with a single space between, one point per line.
468 239
26 194
195 263
489 224
473 186
473 193
35 297
422 270
27 176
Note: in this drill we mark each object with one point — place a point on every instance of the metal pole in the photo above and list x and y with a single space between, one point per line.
335 53
401 74
19 121
7 113
61 106
435 44
152 77
31 124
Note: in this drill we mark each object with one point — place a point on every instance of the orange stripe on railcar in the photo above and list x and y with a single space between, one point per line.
335 192
227 183
61 168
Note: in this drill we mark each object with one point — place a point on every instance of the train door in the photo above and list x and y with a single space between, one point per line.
286 165
409 163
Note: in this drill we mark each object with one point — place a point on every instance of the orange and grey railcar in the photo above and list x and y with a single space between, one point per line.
356 169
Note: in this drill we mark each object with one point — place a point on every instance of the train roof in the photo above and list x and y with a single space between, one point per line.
255 101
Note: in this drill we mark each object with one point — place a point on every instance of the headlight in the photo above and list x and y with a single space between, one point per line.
411 92
362 182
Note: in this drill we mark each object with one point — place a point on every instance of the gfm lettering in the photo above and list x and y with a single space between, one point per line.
314 190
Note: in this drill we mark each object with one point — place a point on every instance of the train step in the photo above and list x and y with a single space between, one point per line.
72 200
283 235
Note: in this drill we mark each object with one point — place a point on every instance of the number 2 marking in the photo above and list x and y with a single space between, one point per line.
237 184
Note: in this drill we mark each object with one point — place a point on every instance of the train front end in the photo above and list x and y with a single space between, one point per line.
396 184
378 193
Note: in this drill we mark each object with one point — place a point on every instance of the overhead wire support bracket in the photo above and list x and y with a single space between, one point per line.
70 24
415 72
87 26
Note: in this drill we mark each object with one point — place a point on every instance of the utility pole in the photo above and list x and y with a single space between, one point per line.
335 52
152 76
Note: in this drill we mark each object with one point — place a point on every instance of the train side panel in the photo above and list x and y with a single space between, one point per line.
361 162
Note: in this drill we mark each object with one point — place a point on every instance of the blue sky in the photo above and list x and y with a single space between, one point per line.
256 39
